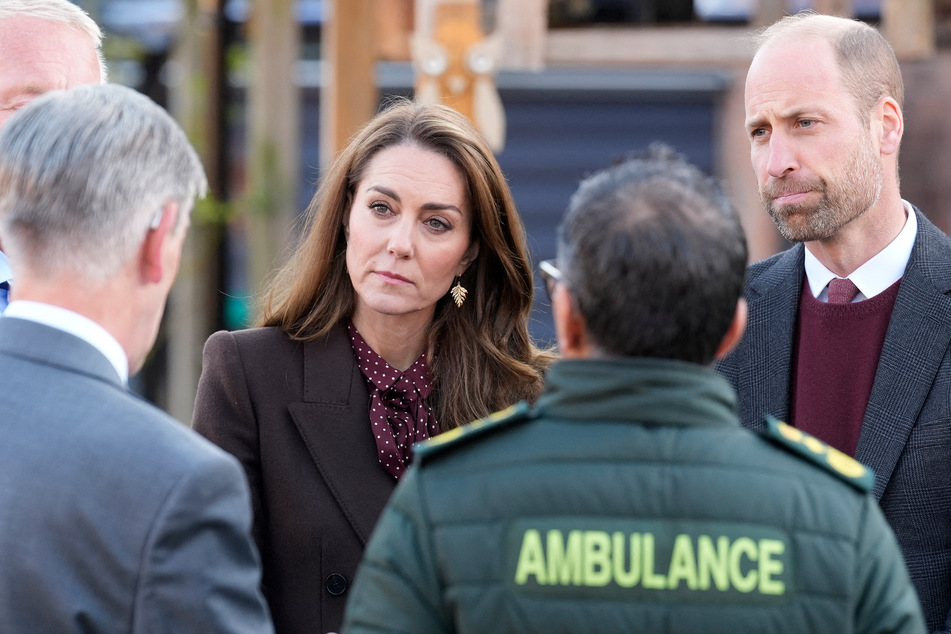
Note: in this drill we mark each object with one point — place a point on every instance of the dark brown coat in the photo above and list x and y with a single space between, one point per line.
295 415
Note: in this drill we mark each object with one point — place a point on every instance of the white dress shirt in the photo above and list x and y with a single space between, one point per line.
884 269
76 325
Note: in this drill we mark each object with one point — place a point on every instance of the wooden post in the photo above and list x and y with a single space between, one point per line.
191 313
909 25
269 204
349 97
394 27
523 25
456 64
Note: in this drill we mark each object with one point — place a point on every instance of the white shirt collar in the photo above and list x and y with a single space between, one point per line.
884 269
76 325
6 274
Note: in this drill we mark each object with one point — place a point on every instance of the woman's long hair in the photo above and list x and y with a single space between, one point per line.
480 356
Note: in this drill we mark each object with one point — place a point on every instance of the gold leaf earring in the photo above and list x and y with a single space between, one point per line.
458 293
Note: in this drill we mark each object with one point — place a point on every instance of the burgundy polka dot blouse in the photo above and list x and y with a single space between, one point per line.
400 415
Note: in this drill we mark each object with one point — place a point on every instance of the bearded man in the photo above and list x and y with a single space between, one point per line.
849 330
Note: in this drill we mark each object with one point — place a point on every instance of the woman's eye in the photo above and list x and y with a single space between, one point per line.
379 208
437 224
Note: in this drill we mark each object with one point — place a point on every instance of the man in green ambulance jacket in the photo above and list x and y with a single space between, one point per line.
629 499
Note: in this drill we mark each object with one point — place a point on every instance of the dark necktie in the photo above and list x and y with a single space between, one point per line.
842 291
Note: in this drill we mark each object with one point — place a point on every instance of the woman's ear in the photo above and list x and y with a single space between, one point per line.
469 257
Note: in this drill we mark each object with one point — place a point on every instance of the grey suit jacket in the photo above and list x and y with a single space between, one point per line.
113 516
906 432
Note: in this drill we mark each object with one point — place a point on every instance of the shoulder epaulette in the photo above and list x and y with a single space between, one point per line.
818 452
520 412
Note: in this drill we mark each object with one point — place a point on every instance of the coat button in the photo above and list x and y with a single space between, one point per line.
336 584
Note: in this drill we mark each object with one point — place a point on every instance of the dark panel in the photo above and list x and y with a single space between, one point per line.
555 140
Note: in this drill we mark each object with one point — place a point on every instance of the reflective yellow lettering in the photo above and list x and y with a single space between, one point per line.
597 558
531 559
742 546
712 563
683 565
650 578
626 578
564 560
768 548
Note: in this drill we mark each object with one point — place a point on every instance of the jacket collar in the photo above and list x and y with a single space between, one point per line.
52 347
639 390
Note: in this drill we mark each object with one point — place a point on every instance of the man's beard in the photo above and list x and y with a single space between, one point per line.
842 201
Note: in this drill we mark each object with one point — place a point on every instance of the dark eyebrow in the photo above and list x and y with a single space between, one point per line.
386 191
754 124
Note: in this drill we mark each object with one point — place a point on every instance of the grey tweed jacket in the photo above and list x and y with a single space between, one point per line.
906 432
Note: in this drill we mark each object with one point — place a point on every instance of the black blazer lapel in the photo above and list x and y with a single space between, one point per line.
333 421
917 341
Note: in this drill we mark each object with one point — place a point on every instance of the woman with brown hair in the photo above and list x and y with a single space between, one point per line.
402 314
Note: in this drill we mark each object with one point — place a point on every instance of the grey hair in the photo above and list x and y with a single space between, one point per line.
62 12
84 172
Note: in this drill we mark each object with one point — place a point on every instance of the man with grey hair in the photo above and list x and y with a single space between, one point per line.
44 45
849 333
630 499
116 518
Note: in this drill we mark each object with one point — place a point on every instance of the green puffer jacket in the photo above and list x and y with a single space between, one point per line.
630 500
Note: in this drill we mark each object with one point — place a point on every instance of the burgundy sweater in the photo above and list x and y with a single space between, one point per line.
835 355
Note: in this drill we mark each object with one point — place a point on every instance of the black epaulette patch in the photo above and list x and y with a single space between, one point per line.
520 412
816 451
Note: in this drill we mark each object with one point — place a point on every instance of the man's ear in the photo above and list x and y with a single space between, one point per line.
160 231
735 332
570 326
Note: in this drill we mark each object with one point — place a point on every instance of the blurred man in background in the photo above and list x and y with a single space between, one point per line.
44 45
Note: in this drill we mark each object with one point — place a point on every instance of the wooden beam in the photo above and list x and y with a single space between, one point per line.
348 97
767 12
909 25
524 26
841 8
703 46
